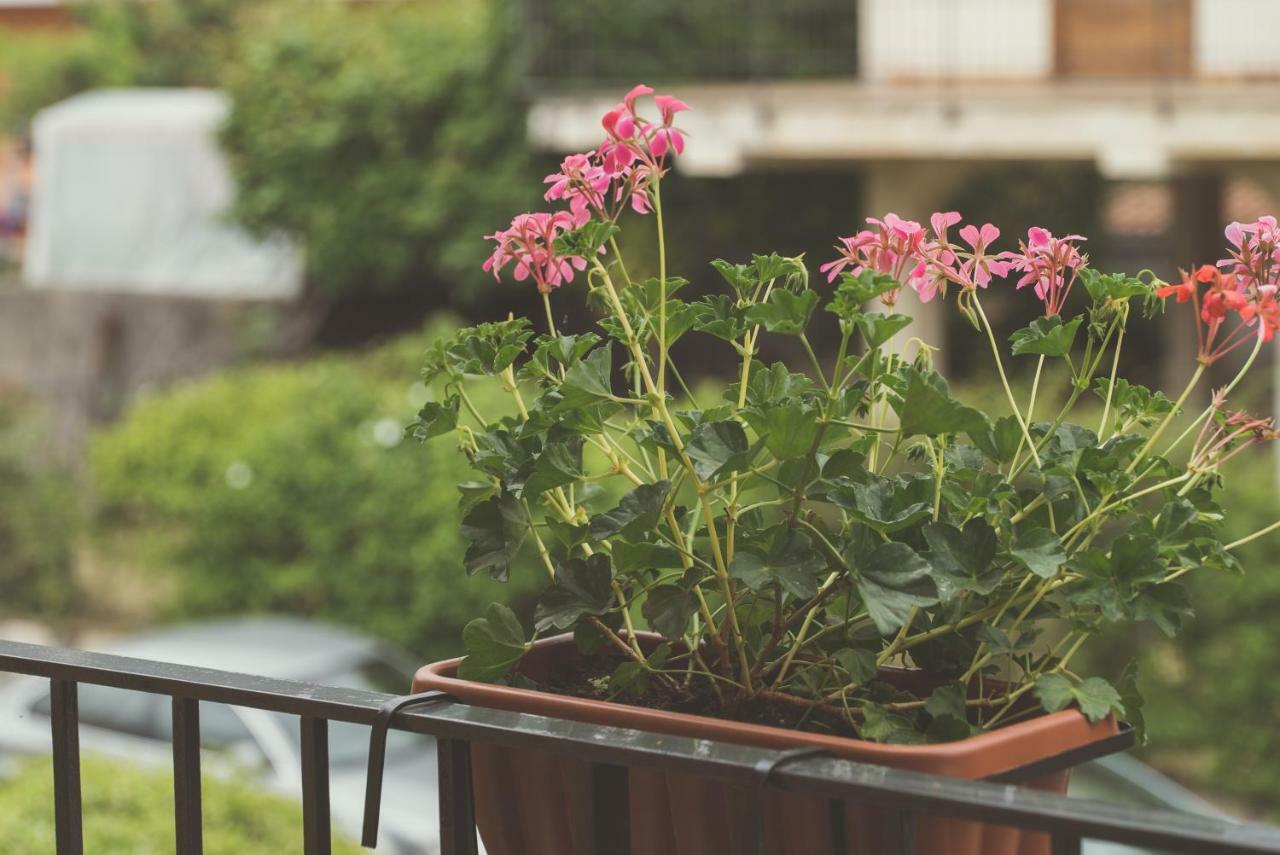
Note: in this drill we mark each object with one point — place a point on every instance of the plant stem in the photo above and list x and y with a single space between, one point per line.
1031 407
1111 385
1004 381
1257 534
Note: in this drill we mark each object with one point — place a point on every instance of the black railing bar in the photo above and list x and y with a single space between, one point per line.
317 835
187 808
64 720
1005 804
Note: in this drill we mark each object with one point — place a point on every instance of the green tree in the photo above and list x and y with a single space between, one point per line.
386 140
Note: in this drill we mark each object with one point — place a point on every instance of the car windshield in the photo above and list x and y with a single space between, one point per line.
349 743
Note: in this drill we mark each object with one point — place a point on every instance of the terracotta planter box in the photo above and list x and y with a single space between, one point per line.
524 798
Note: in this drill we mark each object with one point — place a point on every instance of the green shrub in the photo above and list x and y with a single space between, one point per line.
386 139
129 811
39 519
289 488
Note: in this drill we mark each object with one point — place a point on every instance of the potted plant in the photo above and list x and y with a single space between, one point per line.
838 553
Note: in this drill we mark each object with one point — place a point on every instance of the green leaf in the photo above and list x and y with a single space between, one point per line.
495 529
858 662
588 381
886 504
720 316
880 725
947 700
435 419
582 588
893 581
963 560
495 644
1105 287
632 557
790 430
928 408
853 292
1095 696
741 277
878 328
560 463
586 240
1046 336
636 513
1001 440
668 609
1132 701
1039 550
717 448
795 573
478 350
1054 691
785 313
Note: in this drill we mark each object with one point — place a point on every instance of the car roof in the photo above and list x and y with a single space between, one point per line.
269 646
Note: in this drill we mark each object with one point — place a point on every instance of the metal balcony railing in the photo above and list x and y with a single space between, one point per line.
611 752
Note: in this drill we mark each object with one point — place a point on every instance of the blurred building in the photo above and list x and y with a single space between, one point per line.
1174 102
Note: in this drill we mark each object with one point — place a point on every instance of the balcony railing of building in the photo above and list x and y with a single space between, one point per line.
604 815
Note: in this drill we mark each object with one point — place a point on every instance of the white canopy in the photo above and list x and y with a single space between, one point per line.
131 192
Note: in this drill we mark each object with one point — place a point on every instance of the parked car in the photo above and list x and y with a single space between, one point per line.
137 726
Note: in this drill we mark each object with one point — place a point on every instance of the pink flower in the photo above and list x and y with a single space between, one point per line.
530 243
1048 263
632 138
893 247
950 264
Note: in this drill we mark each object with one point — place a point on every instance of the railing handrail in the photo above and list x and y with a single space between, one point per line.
736 764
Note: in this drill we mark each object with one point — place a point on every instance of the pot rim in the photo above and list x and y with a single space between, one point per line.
980 756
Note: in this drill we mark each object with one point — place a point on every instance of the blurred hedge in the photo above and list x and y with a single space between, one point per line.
129 811
39 519
289 488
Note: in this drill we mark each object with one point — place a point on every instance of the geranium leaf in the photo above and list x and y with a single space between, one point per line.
636 513
963 560
790 430
1039 550
560 463
717 448
494 643
1046 336
495 529
928 408
582 588
892 581
668 608
786 313
434 419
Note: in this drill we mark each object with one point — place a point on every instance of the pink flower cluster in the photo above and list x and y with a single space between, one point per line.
530 243
598 183
1049 263
904 250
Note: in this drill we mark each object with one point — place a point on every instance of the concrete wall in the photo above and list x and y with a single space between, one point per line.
1236 37
86 355
986 39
